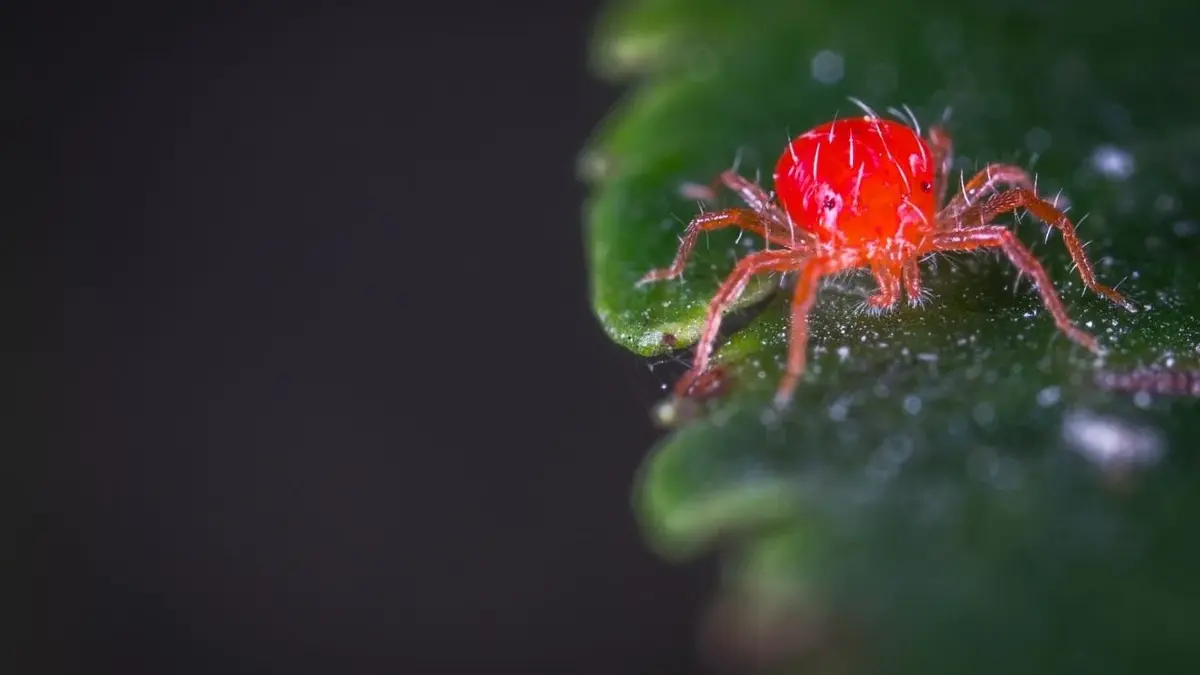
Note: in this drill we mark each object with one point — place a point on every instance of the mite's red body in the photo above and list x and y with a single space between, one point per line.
869 192
863 183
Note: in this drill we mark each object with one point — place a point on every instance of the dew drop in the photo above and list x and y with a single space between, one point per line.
984 413
1007 475
828 67
1037 140
1185 228
983 463
1166 203
1110 442
912 404
1049 396
839 409
1112 162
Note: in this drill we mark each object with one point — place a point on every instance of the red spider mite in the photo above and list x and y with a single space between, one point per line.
710 384
867 192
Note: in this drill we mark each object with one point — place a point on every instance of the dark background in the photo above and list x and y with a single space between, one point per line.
327 393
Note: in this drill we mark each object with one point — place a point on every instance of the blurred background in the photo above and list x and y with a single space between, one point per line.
328 394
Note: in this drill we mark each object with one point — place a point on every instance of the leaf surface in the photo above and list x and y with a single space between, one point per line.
950 479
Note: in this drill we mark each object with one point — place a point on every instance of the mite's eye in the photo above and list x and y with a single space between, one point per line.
926 186
828 204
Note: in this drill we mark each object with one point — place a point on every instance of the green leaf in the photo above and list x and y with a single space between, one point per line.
949 479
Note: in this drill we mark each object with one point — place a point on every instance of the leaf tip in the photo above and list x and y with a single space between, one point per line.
682 519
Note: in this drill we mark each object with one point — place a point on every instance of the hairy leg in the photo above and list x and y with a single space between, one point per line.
995 236
773 218
779 227
777 260
889 288
911 274
983 184
751 192
1011 200
804 296
943 159
714 220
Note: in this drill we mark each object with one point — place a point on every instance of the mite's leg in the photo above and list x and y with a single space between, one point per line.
763 261
700 191
803 299
943 159
1168 382
889 288
715 220
775 221
1000 237
751 192
1016 198
911 275
984 184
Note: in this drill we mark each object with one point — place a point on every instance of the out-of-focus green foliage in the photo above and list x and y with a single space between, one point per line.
949 492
